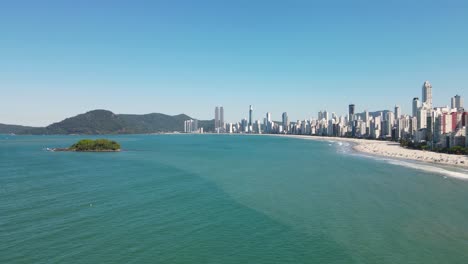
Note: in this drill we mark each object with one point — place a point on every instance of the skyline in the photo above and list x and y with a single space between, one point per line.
63 59
219 110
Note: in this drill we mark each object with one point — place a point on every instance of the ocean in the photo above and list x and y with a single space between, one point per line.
224 199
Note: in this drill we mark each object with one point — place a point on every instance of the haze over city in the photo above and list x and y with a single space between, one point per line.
63 58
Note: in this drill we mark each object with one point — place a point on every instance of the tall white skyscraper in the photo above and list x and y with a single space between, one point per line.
366 116
422 118
285 121
216 124
351 109
191 126
250 115
457 102
416 105
389 121
397 111
268 123
427 94
221 117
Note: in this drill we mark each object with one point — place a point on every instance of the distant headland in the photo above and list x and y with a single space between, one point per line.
104 122
89 145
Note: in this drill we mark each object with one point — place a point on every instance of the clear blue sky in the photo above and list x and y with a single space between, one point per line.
61 58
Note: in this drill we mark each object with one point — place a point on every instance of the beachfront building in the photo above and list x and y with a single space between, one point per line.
466 130
258 127
219 120
458 139
427 94
422 118
216 119
416 106
351 109
250 116
191 126
285 122
268 124
402 128
397 112
457 102
375 126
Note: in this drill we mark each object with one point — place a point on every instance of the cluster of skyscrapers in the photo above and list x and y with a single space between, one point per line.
219 126
191 126
440 127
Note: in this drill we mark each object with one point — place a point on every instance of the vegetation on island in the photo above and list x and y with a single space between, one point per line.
457 150
95 145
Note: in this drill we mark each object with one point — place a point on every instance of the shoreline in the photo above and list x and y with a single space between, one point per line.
392 149
73 150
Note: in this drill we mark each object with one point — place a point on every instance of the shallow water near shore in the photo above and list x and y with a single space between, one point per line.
223 199
437 168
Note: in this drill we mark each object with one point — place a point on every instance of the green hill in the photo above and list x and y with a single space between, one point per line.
151 123
98 122
15 129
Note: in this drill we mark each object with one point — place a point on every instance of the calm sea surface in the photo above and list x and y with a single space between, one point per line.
223 199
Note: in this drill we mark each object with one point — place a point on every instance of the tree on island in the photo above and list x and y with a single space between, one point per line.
95 145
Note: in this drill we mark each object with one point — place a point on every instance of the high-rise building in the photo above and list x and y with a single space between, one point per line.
191 126
351 112
422 118
397 112
389 120
221 117
268 123
250 115
427 94
285 121
244 125
466 131
457 102
320 115
416 105
216 125
258 127
195 125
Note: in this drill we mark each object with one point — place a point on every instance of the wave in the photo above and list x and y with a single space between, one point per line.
462 174
459 173
343 147
347 148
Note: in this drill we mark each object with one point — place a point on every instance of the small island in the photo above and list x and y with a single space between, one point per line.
89 145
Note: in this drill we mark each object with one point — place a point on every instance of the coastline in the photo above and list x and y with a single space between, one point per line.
394 150
73 150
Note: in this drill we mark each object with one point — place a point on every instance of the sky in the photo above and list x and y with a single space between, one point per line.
62 58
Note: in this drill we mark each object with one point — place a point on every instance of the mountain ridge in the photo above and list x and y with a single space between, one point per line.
100 121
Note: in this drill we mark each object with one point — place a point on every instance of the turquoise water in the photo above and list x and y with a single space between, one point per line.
223 199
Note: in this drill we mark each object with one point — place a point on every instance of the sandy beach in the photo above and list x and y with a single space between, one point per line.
393 150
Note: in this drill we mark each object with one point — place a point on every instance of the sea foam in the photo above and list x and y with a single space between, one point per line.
346 148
